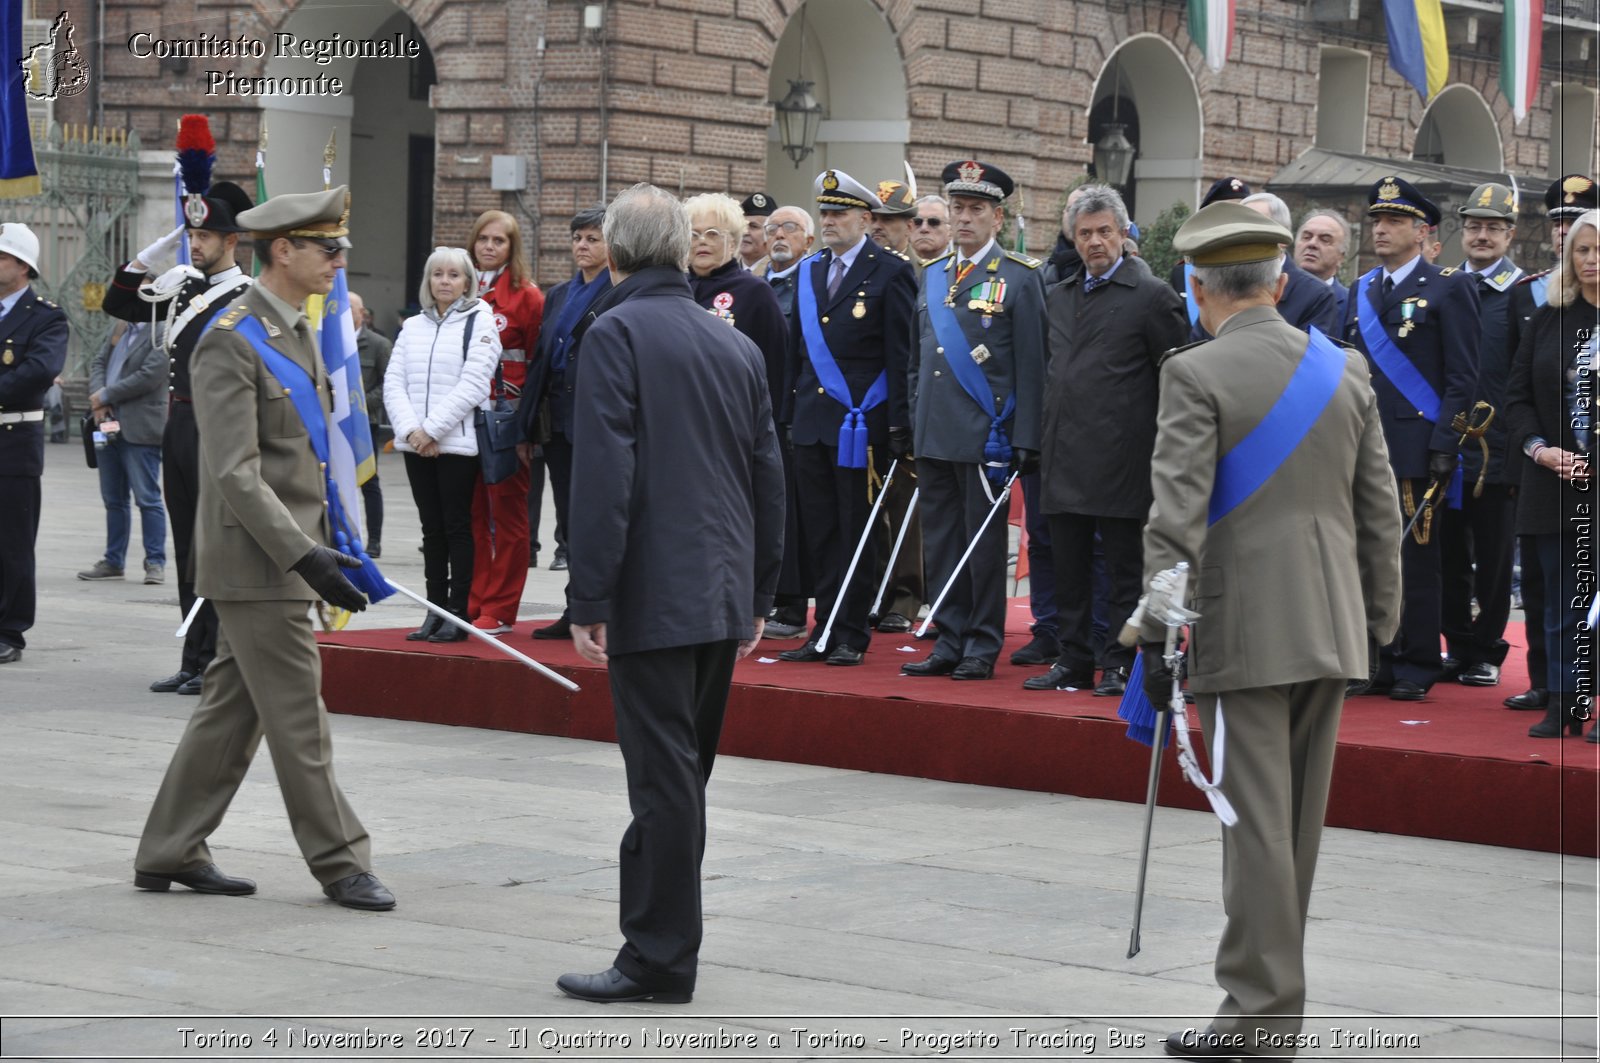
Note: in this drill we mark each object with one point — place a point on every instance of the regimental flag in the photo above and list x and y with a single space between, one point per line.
1211 27
1418 50
349 432
19 174
1521 50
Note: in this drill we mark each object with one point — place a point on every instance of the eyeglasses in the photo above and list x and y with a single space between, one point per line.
329 249
931 223
782 227
1477 227
708 235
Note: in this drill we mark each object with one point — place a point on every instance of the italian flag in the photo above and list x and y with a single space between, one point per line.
1521 44
1211 27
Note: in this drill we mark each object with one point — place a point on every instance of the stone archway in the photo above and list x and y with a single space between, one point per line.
855 65
1458 129
1148 76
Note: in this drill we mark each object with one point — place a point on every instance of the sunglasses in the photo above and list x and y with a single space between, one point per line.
929 223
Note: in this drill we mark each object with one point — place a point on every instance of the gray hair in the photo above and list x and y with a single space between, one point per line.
1097 199
646 226
802 213
1242 280
724 210
1277 209
943 202
447 256
1344 226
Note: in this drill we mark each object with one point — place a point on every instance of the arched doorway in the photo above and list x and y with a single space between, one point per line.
383 130
1146 88
1458 129
851 57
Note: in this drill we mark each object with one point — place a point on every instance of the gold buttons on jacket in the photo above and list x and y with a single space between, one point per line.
824 321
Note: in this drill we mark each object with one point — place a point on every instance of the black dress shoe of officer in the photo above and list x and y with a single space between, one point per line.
614 987
1208 1044
894 623
208 879
973 668
1450 667
1113 682
1406 690
9 654
1532 698
844 657
561 629
806 653
361 890
1041 649
1481 674
1060 677
933 664
193 685
430 624
171 683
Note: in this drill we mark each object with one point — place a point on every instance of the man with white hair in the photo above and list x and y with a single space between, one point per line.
1306 301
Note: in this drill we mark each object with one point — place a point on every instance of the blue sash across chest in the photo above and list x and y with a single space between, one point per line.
1188 296
853 429
969 374
1388 356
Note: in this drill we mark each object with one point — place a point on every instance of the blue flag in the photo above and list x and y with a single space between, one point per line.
19 174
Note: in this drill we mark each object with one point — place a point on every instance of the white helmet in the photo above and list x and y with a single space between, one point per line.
18 241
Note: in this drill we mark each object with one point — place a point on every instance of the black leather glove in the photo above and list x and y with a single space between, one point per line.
1157 676
320 568
899 442
1024 462
1441 466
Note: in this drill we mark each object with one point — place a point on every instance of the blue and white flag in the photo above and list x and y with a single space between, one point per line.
350 454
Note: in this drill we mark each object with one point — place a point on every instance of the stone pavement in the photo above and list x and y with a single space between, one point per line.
883 915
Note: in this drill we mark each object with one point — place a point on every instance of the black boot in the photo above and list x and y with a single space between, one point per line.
430 626
1558 715
450 632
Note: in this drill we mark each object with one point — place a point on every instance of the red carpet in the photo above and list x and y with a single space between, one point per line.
1456 766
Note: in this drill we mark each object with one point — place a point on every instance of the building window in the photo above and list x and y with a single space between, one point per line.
1458 129
1572 129
1342 100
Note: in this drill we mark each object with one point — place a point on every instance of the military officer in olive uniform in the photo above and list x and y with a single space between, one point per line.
262 558
33 348
1291 580
850 347
976 380
1418 326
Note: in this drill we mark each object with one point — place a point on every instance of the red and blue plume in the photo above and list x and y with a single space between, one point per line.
197 153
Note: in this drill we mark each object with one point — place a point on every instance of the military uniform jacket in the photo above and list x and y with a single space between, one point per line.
1442 343
947 423
1494 285
122 301
262 490
868 327
33 350
1290 583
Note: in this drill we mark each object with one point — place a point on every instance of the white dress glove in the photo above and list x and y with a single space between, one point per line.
159 250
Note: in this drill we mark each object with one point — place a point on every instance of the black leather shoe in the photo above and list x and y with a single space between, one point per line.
430 625
1042 649
1532 698
614 987
1113 682
1450 667
447 632
193 685
361 890
1208 1044
806 654
932 664
374 550
777 630
171 683
1406 690
9 654
1480 675
1060 677
973 668
1375 687
844 656
561 629
208 879
894 623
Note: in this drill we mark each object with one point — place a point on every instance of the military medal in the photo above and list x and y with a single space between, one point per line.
859 311
8 357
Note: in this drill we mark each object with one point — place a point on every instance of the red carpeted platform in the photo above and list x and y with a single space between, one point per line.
1456 766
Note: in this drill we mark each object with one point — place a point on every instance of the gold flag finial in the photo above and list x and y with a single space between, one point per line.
329 153
261 141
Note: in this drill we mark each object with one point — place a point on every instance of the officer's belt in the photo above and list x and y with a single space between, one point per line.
18 418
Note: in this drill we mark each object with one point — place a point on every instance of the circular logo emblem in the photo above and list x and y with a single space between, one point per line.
723 300
500 322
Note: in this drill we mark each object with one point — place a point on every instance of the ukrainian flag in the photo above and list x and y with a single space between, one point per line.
1417 48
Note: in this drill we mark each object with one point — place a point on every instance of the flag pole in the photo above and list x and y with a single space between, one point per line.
510 651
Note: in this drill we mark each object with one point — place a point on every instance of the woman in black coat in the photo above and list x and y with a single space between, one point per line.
1549 408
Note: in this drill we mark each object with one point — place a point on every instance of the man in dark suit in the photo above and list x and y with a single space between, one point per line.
667 604
1319 249
261 555
1306 302
1418 326
851 345
33 349
198 293
976 377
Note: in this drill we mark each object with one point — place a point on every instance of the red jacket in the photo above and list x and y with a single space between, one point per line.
517 314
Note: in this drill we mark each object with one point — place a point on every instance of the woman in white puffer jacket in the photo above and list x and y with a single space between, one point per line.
439 375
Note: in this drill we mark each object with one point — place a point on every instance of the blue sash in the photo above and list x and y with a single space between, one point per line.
303 393
1253 460
1390 358
1541 290
958 356
853 430
1188 296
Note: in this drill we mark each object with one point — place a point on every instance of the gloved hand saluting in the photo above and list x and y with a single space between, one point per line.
160 250
1441 465
320 568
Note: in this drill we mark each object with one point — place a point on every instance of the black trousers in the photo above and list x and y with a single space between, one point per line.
442 488
833 511
669 707
180 480
535 502
972 617
1475 562
1533 610
372 498
1414 654
1072 541
19 530
558 463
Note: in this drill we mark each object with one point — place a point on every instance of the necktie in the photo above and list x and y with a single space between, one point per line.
835 277
1388 285
1092 283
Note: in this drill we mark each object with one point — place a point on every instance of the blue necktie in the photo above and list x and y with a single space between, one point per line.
1092 283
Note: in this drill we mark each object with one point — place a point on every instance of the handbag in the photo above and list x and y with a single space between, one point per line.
496 427
89 428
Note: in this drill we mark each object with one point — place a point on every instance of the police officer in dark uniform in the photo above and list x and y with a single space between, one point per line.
1475 540
33 348
850 348
1418 326
196 296
977 381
